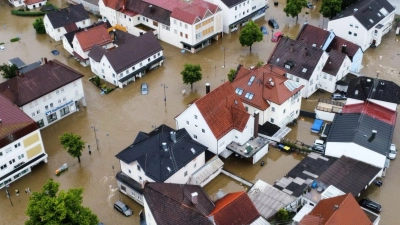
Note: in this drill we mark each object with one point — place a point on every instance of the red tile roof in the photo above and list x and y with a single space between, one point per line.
234 209
261 87
167 4
373 110
347 213
189 12
95 35
30 2
223 110
14 122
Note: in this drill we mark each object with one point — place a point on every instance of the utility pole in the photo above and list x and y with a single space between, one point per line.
8 194
224 57
95 136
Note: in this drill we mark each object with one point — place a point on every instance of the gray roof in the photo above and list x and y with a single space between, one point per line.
141 7
231 3
17 61
334 62
363 88
30 67
121 37
357 128
66 16
349 175
154 160
299 54
97 52
267 199
367 12
133 51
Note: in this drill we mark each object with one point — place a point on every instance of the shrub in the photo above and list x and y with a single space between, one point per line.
96 81
104 86
15 39
1 43
27 9
23 13
282 215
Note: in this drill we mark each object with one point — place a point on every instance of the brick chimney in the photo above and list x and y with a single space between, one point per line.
256 119
207 88
305 52
45 60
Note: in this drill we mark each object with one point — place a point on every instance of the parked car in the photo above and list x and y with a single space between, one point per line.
276 36
284 148
309 5
2 48
122 208
371 205
264 30
273 23
318 146
392 151
338 96
144 89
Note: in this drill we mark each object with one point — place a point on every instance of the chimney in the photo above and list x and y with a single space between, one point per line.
17 72
151 8
305 52
207 88
164 146
1 122
194 198
372 135
335 207
45 60
291 47
173 136
115 34
344 48
256 119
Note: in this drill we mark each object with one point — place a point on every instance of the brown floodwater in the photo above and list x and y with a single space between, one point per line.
124 112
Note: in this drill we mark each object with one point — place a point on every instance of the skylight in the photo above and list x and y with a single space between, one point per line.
371 21
304 70
239 91
193 151
249 95
251 80
383 11
379 15
291 85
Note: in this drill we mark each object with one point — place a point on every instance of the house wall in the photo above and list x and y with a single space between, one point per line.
355 151
84 54
356 64
328 40
263 115
322 115
67 46
150 220
389 105
108 13
328 81
130 192
57 33
16 3
260 153
19 153
37 5
180 178
56 105
133 172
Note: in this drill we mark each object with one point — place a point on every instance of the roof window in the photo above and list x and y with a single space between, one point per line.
251 80
239 91
304 70
249 95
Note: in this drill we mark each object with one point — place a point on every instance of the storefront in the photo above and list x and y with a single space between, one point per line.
63 110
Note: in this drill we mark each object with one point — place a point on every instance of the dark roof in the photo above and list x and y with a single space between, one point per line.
133 51
171 204
14 122
367 12
334 62
357 128
154 160
361 88
66 16
310 35
231 3
349 175
338 42
17 61
38 82
121 37
300 55
96 53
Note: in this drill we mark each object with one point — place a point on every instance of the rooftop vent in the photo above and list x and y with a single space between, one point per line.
314 45
371 21
271 83
173 136
304 70
193 151
1 122
194 198
368 80
372 135
356 92
164 146
355 10
169 169
335 207
277 60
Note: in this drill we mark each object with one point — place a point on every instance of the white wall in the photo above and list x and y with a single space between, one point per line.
67 45
57 33
130 192
355 151
149 215
37 5
328 81
356 64
322 115
328 40
260 153
16 3
351 101
389 105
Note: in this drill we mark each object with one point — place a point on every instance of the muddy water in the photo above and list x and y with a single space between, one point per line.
124 112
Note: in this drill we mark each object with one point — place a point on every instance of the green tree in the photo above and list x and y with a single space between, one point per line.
259 64
8 71
282 215
39 26
330 8
250 34
48 208
294 7
347 3
191 74
231 75
73 144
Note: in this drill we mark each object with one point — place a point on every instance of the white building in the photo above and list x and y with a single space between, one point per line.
336 67
186 25
217 119
162 156
24 150
131 59
238 12
46 94
30 4
364 23
57 23
268 91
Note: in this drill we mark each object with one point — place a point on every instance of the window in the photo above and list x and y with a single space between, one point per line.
180 24
141 64
186 26
148 60
64 99
12 161
181 34
351 25
123 188
194 166
38 112
33 114
8 150
297 79
272 120
64 111
187 122
113 75
247 109
155 23
174 21
40 123
127 71
57 91
195 116
3 166
284 110
273 109
356 26
350 32
59 101
102 70
355 34
202 130
158 54
58 29
167 28
1 153
129 171
140 178
51 105
186 36
62 90
185 174
195 136
17 145
138 167
235 7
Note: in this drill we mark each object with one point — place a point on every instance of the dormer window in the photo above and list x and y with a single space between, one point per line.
289 65
249 95
239 91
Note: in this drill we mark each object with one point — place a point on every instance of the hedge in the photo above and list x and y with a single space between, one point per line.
21 13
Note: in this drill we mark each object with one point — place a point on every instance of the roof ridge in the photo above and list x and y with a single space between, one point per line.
339 206
242 192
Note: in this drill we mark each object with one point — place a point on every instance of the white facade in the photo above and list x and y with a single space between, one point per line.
37 5
352 30
150 220
328 81
67 46
355 151
56 105
57 33
388 105
17 3
199 130
16 156
77 48
105 71
356 64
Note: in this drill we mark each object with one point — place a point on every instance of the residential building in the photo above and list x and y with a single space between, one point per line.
327 41
336 67
59 22
302 63
47 93
342 209
266 90
217 119
186 25
381 92
21 145
131 59
162 156
237 13
33 4
22 67
364 23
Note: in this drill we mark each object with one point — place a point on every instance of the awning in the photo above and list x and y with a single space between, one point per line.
204 172
134 73
246 18
197 44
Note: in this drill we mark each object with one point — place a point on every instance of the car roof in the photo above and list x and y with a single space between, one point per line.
119 203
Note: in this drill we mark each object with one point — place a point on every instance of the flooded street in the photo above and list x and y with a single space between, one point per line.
125 112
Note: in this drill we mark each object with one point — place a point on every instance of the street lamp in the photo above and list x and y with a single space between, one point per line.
95 136
113 169
108 140
165 97
90 152
224 57
8 194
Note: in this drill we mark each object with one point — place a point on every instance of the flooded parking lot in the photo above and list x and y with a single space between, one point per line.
125 112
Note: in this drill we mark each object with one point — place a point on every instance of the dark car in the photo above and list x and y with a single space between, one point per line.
122 208
338 96
144 89
273 23
371 205
309 5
